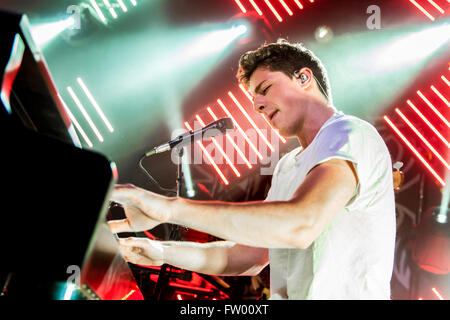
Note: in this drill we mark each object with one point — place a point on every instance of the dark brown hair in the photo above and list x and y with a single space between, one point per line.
285 57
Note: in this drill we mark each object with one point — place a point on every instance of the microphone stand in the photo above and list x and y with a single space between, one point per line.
164 277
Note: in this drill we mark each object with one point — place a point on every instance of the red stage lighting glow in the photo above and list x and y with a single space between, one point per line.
256 7
436 6
240 6
411 147
428 123
299 4
445 80
275 13
288 10
422 138
425 12
239 151
219 172
236 102
433 108
440 95
250 143
227 159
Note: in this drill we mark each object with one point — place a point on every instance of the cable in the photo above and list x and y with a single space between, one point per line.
153 180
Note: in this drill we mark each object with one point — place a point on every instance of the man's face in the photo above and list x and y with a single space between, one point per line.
280 99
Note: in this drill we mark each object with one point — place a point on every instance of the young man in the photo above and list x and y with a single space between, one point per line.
327 227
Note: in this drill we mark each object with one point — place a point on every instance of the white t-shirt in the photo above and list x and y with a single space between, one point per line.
352 258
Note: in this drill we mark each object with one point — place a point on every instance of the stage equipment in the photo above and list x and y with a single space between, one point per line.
55 194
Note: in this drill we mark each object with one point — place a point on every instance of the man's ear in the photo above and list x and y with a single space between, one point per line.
304 77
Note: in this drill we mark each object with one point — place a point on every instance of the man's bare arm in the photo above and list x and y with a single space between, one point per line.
214 258
273 224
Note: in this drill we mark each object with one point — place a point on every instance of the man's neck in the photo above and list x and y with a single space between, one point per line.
312 125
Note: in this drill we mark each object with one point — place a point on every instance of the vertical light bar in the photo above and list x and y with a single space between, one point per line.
95 104
437 293
275 13
251 100
110 8
256 7
436 6
85 114
98 10
445 80
200 144
70 288
285 6
122 5
411 147
250 120
239 151
77 125
228 160
250 143
299 4
433 108
440 96
240 6
428 123
425 12
133 2
422 138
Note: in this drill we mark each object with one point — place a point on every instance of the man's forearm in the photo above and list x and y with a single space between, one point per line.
256 224
209 258
223 258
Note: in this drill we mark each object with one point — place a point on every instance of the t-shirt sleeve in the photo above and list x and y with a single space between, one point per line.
343 139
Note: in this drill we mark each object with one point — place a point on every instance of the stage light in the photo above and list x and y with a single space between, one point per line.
77 124
98 11
240 6
440 95
433 128
85 114
425 12
285 6
417 132
436 111
410 49
437 293
434 4
44 33
323 34
275 13
445 80
95 104
258 10
414 150
299 4
211 42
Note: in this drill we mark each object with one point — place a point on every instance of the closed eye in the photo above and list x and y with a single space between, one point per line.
265 90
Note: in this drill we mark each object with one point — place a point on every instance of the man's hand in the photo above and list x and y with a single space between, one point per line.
142 251
144 210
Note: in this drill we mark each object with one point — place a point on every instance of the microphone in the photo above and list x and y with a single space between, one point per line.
214 129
